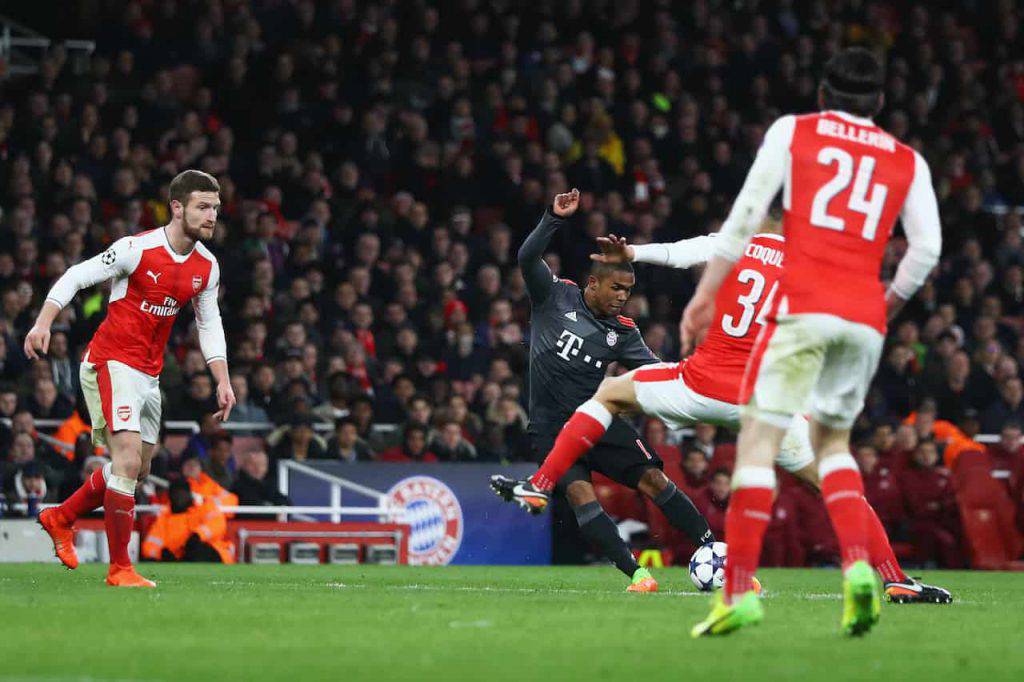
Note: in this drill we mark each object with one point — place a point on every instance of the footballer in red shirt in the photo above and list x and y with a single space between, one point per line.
844 181
154 275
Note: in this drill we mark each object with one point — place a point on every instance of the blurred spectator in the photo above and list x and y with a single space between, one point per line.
881 488
244 410
713 500
188 531
221 465
205 487
254 486
299 441
412 449
27 483
451 446
346 445
695 469
1009 406
931 508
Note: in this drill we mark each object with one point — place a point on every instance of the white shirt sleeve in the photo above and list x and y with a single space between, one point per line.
764 180
920 217
682 254
120 260
208 321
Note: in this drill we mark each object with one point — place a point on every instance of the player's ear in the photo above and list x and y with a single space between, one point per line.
591 281
177 209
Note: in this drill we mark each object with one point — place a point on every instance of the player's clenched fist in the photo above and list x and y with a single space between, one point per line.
37 342
566 204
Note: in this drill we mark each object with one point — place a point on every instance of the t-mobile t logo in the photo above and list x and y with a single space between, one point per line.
570 344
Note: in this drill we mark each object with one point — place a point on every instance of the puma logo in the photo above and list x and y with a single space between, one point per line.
154 275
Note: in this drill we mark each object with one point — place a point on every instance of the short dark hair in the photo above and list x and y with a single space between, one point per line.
601 270
186 182
853 82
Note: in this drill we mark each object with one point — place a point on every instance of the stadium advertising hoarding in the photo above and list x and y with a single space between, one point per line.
453 515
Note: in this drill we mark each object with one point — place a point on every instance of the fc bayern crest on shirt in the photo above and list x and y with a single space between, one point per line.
612 338
434 516
197 283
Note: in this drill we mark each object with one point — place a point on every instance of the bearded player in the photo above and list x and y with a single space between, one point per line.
154 273
844 182
575 334
706 386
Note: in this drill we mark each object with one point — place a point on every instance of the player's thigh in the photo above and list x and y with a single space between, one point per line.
619 392
149 421
88 376
148 451
849 365
796 453
784 368
662 392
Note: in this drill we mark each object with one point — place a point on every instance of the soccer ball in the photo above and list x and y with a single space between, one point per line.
707 567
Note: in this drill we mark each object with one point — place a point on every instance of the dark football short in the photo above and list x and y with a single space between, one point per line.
622 454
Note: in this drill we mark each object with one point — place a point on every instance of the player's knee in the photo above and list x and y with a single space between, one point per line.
579 493
616 394
653 482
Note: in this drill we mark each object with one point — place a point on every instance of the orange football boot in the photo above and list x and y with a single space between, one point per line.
63 535
125 576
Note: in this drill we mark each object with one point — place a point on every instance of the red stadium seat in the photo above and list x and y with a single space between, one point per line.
988 521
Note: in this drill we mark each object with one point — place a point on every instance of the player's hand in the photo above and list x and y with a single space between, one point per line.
37 342
566 204
225 401
696 320
613 250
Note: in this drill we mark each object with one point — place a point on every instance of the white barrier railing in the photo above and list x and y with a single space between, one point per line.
393 515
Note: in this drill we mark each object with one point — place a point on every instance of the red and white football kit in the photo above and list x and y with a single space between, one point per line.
706 386
844 182
151 283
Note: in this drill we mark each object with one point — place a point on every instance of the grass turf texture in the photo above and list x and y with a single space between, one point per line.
481 623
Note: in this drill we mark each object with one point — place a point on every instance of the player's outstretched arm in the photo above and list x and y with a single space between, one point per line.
120 259
536 272
920 218
682 254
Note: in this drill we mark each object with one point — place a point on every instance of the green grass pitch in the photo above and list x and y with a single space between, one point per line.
481 623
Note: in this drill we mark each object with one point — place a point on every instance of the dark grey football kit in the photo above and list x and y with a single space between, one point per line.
570 351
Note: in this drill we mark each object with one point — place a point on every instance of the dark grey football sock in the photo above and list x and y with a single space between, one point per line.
599 529
680 512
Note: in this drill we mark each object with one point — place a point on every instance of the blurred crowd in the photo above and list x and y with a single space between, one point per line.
380 162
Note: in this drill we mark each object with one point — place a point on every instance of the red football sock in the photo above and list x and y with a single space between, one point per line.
118 519
843 492
750 511
586 426
882 556
87 498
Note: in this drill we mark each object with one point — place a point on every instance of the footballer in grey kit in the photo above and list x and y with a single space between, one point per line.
575 334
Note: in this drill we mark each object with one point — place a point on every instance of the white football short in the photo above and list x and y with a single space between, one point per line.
120 398
814 363
662 393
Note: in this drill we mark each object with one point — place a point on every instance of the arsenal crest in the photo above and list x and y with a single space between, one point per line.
612 338
197 283
124 413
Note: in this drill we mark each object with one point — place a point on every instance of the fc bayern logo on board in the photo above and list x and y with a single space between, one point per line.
434 516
